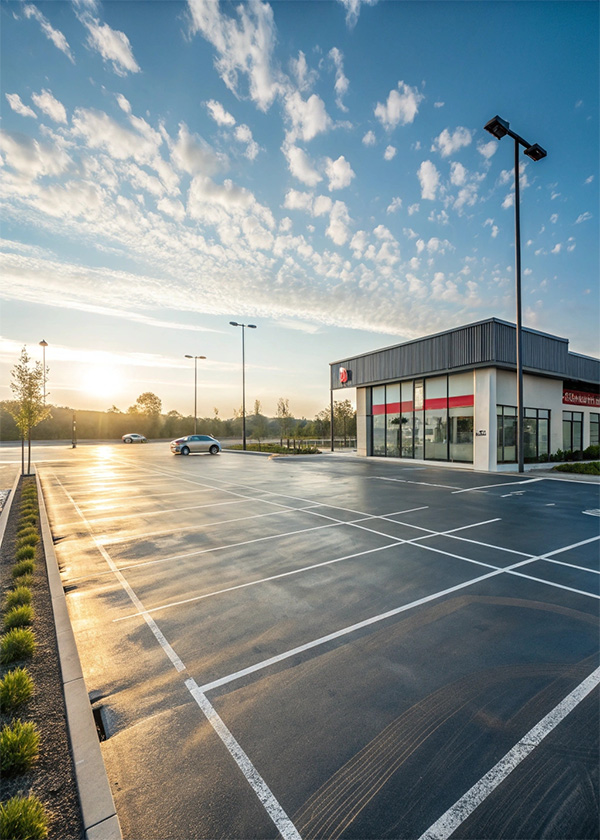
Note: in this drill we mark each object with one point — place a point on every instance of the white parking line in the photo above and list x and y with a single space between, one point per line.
389 614
446 825
499 484
282 822
424 483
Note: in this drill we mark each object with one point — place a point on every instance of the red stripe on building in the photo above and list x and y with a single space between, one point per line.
461 402
430 405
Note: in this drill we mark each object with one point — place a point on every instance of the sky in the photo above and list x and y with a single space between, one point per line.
319 169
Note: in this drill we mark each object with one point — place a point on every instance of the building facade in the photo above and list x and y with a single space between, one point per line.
452 397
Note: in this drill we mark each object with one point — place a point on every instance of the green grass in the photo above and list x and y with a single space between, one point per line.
26 552
23 818
19 743
23 567
592 468
28 539
16 687
18 596
16 645
18 617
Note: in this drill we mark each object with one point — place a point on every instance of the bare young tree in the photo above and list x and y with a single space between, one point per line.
284 416
28 408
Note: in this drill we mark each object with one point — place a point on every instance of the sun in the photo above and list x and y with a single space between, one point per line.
102 381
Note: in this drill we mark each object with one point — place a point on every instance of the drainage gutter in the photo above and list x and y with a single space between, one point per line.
97 805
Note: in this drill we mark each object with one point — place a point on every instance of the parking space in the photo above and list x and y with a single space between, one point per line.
333 647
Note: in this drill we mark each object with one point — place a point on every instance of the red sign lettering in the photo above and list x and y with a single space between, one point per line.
581 398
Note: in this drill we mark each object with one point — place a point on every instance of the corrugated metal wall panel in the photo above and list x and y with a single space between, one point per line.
487 342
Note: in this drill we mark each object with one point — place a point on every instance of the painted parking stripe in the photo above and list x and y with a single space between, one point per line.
271 805
447 824
389 614
499 484
423 483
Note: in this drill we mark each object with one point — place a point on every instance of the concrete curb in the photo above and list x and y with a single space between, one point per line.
7 507
97 805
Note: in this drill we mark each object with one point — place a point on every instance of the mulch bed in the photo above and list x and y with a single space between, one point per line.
52 777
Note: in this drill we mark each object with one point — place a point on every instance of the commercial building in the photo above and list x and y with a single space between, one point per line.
452 397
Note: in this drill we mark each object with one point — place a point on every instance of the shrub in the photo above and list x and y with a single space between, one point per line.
27 522
28 507
592 452
26 528
28 539
19 595
26 552
19 744
16 687
24 580
591 468
18 617
23 818
17 644
23 567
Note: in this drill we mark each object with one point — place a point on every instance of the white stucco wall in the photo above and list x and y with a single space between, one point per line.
484 441
361 421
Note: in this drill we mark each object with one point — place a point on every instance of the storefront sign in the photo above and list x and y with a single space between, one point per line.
481 433
581 398
343 375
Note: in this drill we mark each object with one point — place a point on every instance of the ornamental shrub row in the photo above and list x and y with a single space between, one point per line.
21 817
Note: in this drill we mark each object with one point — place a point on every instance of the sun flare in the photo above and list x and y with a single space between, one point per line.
102 381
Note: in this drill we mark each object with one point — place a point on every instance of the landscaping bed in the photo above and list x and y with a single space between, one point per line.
50 778
588 468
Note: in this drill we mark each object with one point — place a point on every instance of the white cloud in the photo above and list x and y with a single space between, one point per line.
358 243
488 149
412 209
429 178
244 45
123 103
458 174
31 158
301 166
219 114
353 9
438 104
193 155
557 248
296 200
395 205
554 218
338 223
390 153
112 45
571 244
401 107
589 179
308 117
584 217
50 106
305 78
244 135
509 201
14 100
54 35
172 207
322 205
339 172
447 143
369 139
341 82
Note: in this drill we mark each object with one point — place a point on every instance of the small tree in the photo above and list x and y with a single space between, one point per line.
343 418
284 417
260 424
147 406
28 407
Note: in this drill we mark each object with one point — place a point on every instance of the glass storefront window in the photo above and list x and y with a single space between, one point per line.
572 431
536 434
507 434
436 418
379 434
461 433
594 429
406 418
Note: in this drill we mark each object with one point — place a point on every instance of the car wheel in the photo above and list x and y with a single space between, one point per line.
185 450
127 440
214 450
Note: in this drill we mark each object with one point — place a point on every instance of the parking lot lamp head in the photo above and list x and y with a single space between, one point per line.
497 126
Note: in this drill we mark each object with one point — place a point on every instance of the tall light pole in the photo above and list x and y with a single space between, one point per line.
43 345
250 327
195 358
499 128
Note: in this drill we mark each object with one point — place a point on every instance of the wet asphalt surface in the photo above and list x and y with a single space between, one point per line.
330 647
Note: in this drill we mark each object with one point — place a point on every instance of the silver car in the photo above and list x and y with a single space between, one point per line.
133 437
195 443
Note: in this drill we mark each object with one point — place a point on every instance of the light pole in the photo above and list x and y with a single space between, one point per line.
195 358
43 345
250 327
499 128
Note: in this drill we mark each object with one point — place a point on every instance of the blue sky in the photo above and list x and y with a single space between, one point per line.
319 169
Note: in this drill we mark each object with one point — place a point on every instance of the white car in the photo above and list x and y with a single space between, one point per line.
195 443
132 437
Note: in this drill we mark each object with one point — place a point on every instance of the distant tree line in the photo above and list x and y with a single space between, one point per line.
146 418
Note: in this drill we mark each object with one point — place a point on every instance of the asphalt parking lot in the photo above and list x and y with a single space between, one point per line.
333 647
